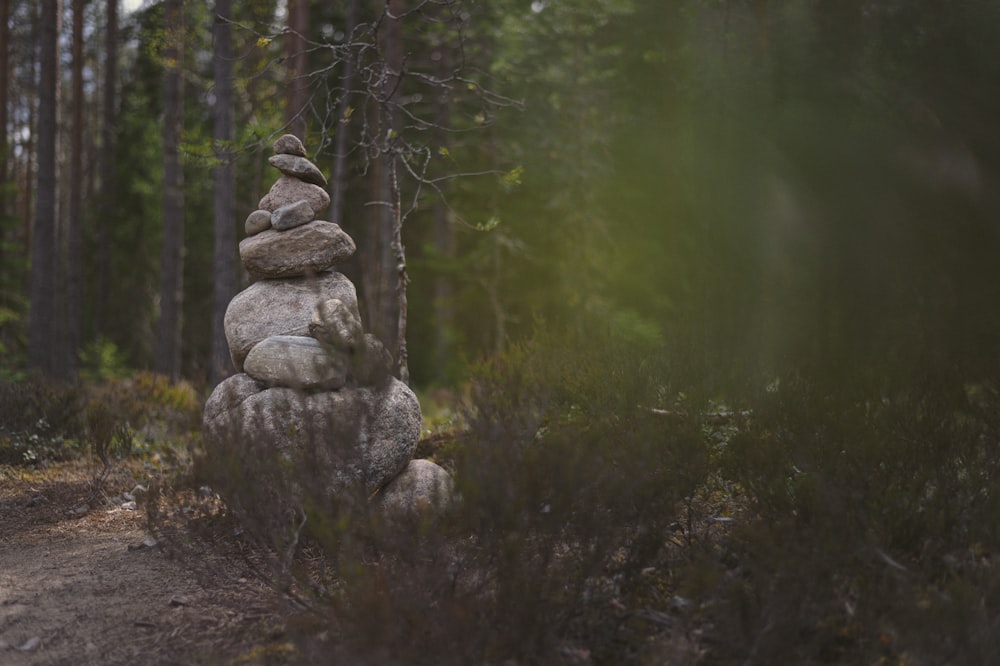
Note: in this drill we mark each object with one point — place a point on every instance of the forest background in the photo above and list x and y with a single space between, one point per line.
716 281
762 186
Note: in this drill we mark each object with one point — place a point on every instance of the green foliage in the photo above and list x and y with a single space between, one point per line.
102 360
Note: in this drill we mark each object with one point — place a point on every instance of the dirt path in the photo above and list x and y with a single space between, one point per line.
94 588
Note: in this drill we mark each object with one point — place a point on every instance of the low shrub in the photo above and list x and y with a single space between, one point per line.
569 483
875 528
39 421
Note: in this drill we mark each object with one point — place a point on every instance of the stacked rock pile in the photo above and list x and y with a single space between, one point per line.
307 373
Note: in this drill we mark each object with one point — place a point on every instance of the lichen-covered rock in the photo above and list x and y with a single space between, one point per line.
305 250
350 436
296 362
280 307
288 190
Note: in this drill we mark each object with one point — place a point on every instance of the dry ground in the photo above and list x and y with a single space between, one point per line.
83 582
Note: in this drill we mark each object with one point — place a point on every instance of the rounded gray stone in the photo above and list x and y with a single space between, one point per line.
288 190
257 221
304 250
422 487
289 144
350 436
229 393
280 307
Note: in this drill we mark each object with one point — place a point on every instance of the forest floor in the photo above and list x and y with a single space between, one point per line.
84 581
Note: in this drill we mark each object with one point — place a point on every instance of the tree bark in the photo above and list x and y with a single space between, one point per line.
74 259
107 167
4 148
379 265
298 77
339 179
168 348
444 234
224 195
42 322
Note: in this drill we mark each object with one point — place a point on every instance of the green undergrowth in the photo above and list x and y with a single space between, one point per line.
140 415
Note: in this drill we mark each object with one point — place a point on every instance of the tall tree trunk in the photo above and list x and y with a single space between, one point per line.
168 344
74 259
338 182
107 167
42 320
224 195
444 236
380 278
298 76
4 148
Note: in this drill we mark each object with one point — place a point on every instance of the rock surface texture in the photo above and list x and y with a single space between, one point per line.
310 379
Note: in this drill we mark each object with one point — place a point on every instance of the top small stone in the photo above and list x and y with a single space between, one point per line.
289 144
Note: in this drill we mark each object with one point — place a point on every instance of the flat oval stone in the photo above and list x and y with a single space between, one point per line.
289 144
304 250
287 190
298 167
296 362
257 221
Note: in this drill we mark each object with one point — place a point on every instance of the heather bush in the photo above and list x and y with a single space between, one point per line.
875 528
568 481
39 420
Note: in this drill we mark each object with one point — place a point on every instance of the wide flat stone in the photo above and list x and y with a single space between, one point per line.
280 307
298 167
287 190
296 362
304 250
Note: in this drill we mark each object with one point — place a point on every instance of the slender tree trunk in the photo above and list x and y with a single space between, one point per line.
42 324
339 180
223 258
444 235
74 263
107 167
26 185
4 148
168 347
380 268
298 76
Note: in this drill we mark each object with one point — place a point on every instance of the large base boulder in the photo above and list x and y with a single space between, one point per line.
360 435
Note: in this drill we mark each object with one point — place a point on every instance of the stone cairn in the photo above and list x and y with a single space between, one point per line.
307 371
